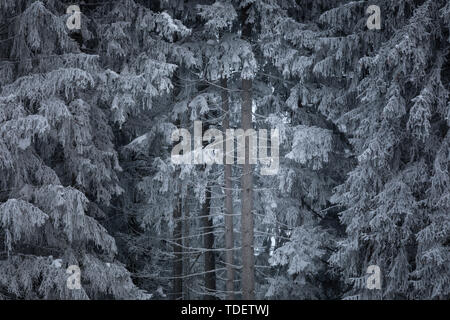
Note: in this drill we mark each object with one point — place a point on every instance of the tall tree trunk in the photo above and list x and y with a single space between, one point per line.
229 234
177 292
177 289
187 244
248 258
208 243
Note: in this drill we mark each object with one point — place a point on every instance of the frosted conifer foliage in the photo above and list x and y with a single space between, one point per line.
88 118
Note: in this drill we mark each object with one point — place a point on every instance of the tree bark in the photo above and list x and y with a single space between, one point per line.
248 258
177 292
187 244
229 234
208 243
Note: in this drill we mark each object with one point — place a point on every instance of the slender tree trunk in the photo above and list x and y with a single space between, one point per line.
248 259
229 234
177 289
208 243
177 293
187 244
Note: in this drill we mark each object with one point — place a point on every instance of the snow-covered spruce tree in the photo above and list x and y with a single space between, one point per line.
58 165
165 184
294 208
225 55
144 94
388 91
230 66
221 54
227 60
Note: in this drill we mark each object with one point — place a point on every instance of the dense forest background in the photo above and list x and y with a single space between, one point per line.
86 122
